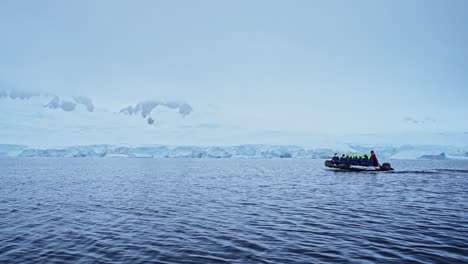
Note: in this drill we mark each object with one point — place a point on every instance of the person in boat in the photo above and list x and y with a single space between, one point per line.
374 159
336 158
343 159
363 160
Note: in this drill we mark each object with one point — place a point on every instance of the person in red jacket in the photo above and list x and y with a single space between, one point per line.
374 158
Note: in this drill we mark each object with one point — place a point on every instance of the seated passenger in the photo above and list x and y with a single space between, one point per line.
370 162
336 158
355 160
343 159
363 161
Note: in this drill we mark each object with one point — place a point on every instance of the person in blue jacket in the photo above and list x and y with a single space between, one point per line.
363 160
336 158
343 159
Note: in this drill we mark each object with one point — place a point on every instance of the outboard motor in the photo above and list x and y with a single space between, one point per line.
386 166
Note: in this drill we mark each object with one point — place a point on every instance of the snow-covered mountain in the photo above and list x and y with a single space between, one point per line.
241 151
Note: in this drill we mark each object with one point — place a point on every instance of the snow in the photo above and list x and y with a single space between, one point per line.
9 150
240 151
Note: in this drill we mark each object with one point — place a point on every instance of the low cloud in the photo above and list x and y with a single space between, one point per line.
55 103
411 120
3 94
209 125
67 104
145 108
17 94
87 102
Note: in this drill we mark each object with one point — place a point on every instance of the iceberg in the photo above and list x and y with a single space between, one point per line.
441 156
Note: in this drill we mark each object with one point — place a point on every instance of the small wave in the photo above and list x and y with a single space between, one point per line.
433 171
230 211
416 172
453 170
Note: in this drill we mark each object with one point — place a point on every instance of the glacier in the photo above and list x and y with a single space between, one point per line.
162 151
11 150
240 151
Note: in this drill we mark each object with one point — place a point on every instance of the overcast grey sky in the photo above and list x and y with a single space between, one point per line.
275 68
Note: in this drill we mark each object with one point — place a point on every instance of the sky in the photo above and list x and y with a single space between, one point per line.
279 72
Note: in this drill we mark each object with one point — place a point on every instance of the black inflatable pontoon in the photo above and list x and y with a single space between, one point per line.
346 167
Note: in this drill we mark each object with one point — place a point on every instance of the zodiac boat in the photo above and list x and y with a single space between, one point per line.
357 168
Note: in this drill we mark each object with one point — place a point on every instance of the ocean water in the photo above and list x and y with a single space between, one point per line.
73 210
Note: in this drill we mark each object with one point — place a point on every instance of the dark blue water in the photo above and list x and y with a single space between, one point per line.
230 211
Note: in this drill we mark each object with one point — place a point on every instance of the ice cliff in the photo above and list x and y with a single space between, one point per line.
241 151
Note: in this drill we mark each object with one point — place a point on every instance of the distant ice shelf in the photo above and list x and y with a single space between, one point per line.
241 151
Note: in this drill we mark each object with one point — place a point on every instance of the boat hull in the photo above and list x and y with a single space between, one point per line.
345 167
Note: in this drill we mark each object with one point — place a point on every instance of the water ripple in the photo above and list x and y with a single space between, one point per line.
230 211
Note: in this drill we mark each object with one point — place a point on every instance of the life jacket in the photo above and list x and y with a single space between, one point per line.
343 159
355 160
336 158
